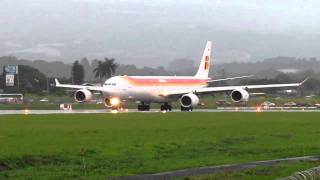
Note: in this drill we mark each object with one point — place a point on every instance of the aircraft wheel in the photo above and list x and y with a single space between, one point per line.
143 107
147 107
186 108
165 107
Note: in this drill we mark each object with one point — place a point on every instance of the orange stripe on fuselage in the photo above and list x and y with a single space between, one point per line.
165 81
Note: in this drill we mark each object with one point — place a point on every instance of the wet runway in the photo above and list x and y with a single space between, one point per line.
100 111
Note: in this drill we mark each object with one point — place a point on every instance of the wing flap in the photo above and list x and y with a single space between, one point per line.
232 78
231 88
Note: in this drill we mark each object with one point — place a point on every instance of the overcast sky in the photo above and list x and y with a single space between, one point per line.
154 32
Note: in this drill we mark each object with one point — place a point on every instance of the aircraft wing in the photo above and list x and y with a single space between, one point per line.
92 88
229 88
225 79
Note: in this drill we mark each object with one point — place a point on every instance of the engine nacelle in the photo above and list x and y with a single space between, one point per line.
239 95
189 100
83 95
107 102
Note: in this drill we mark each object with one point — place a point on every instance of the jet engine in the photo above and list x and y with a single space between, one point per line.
83 95
189 100
239 95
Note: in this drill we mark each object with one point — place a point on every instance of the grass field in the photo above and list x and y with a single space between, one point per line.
98 146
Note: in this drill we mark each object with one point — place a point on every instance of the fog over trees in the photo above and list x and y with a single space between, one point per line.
272 70
166 37
152 33
268 68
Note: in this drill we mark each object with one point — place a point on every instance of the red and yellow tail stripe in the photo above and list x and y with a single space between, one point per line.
164 81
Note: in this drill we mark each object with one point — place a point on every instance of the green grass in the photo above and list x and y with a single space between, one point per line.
96 146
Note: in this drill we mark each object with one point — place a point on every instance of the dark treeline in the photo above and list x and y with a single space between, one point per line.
267 71
268 68
63 70
311 86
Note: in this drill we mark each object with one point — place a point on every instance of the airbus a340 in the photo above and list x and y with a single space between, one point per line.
165 89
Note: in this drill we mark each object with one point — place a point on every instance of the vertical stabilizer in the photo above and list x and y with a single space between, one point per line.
203 71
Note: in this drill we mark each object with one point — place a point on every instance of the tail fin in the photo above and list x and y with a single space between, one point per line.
203 71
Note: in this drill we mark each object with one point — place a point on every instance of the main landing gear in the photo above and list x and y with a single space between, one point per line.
143 107
146 107
165 107
186 108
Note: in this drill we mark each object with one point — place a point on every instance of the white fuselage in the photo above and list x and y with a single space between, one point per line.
149 88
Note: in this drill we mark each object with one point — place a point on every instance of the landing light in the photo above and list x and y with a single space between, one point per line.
258 109
114 101
26 111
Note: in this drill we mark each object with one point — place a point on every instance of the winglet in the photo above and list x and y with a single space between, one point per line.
303 81
57 82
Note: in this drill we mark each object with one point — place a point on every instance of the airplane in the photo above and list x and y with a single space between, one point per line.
166 89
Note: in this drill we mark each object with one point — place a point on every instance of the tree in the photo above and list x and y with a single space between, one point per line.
31 80
111 67
99 71
105 69
77 73
283 78
89 76
223 75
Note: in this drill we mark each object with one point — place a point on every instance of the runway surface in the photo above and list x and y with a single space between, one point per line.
101 111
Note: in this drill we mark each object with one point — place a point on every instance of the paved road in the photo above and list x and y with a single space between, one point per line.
99 111
216 169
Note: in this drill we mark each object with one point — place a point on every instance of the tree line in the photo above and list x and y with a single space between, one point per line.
104 70
39 80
